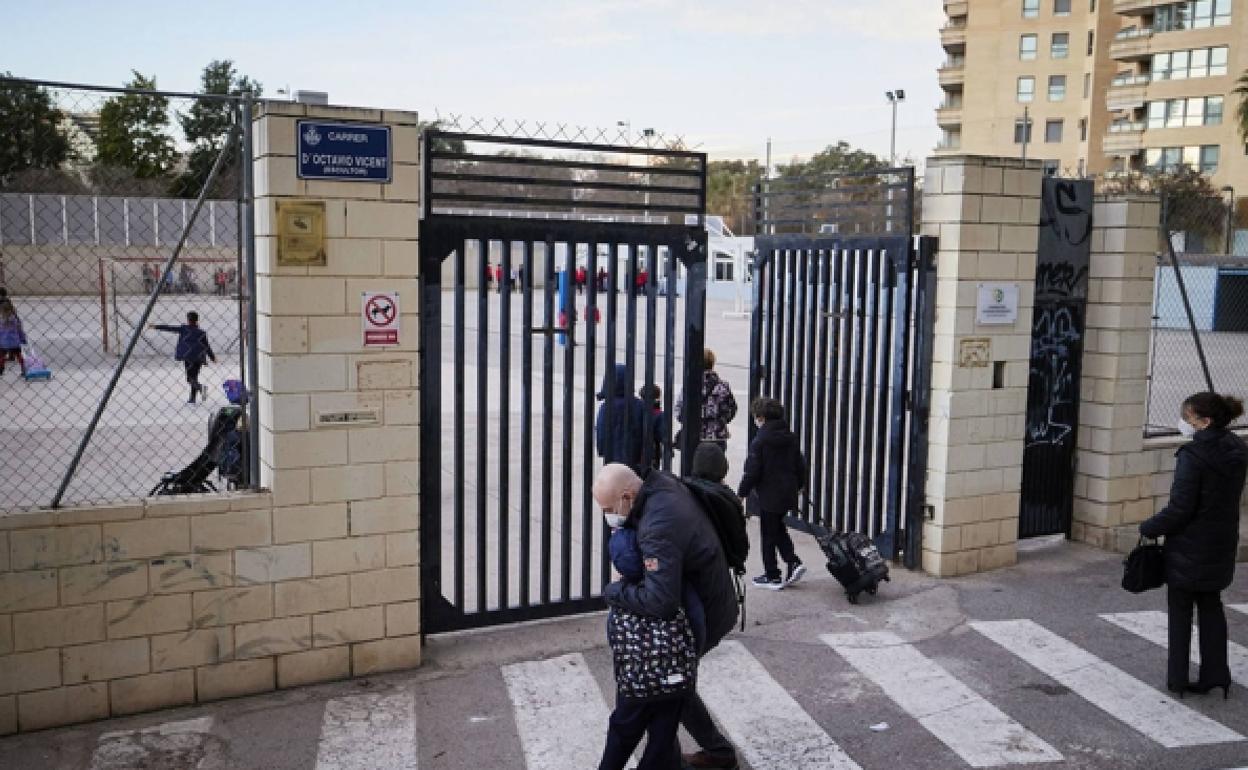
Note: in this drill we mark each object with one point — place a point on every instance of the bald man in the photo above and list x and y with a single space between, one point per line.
678 543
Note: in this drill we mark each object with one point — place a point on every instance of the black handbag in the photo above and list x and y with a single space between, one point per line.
1144 568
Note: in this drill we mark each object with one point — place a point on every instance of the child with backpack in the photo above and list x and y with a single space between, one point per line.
652 396
777 471
193 350
12 336
655 662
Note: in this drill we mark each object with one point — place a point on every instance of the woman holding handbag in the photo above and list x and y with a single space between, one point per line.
1201 527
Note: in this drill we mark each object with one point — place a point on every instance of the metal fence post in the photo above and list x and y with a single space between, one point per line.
248 247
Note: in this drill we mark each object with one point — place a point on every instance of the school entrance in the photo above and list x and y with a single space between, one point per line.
844 310
545 266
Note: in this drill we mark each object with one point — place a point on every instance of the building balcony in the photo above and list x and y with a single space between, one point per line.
1124 138
1132 44
1136 7
949 116
949 147
953 36
1127 93
956 8
952 73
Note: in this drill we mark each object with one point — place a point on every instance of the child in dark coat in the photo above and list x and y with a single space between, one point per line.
192 350
777 471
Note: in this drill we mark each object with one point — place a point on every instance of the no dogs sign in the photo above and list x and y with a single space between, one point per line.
380 313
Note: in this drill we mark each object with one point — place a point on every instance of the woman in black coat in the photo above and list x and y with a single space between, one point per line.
1201 527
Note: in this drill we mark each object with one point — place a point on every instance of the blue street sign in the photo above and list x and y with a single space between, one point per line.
346 152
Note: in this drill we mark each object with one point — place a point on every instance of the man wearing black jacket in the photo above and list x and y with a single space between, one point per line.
777 471
678 543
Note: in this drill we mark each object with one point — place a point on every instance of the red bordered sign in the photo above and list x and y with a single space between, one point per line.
379 311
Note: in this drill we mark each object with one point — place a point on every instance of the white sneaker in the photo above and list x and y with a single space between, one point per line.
796 571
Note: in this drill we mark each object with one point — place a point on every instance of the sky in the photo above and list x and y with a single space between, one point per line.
725 75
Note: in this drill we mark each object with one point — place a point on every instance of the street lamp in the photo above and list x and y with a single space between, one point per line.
894 97
1230 218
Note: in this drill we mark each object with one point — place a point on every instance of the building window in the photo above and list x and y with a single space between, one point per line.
1092 6
1083 129
1057 88
1217 61
1022 130
1060 47
1061 7
1180 61
1027 47
1213 111
1209 155
1194 14
1026 89
1081 167
1156 114
1053 131
1091 41
1031 9
723 267
1197 63
1051 167
1087 84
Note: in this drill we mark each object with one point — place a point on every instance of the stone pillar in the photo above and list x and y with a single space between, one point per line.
986 212
351 490
1118 477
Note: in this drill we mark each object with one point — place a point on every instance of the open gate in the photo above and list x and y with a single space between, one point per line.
844 311
514 350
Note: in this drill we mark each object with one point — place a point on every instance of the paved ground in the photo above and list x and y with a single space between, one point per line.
1048 662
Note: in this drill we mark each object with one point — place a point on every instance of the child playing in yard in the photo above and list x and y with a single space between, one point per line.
655 664
12 336
193 350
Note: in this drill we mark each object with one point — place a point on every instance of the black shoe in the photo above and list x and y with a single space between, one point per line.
1200 688
706 759
1179 689
763 581
795 572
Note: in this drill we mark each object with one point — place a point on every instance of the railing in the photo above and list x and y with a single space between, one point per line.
1131 33
1131 80
1127 127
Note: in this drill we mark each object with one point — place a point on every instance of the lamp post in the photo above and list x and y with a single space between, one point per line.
1230 218
895 97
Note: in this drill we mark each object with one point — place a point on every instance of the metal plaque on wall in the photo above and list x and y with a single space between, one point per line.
301 233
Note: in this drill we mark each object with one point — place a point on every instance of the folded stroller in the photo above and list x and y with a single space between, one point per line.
194 478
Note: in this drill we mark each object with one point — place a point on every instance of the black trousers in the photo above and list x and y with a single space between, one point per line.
192 372
775 538
697 720
1212 621
657 720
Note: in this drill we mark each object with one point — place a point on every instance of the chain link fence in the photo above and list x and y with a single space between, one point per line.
121 211
1200 305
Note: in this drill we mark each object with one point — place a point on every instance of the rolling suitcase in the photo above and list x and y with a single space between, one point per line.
855 562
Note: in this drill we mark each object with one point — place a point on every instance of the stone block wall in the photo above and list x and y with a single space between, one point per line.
1122 478
986 213
171 601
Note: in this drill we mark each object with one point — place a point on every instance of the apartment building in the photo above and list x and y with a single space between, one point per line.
1096 86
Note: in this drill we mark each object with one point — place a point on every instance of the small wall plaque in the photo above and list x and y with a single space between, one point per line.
974 352
301 233
347 419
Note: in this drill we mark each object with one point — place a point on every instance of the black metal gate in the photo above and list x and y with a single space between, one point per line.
844 308
515 347
1062 261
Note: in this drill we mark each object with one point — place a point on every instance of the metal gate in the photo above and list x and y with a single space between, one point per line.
844 300
1063 257
515 348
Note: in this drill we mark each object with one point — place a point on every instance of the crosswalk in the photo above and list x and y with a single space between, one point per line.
559 706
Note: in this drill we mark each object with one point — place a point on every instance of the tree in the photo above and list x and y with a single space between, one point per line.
133 132
206 125
31 126
1241 113
1190 203
730 192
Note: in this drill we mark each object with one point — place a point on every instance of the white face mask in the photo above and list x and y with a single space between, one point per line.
614 520
1186 428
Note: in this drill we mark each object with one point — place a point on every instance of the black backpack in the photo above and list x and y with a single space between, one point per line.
724 510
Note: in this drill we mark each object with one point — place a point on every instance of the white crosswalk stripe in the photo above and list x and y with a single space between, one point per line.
370 730
1122 696
1239 608
560 712
1152 625
958 716
768 727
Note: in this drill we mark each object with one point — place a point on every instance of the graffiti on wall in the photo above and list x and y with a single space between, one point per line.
1056 353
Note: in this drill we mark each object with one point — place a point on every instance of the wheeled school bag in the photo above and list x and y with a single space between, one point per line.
36 367
855 562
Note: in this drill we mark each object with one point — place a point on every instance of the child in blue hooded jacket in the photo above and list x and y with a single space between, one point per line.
193 350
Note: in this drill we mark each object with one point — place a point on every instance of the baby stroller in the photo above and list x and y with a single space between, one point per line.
224 439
